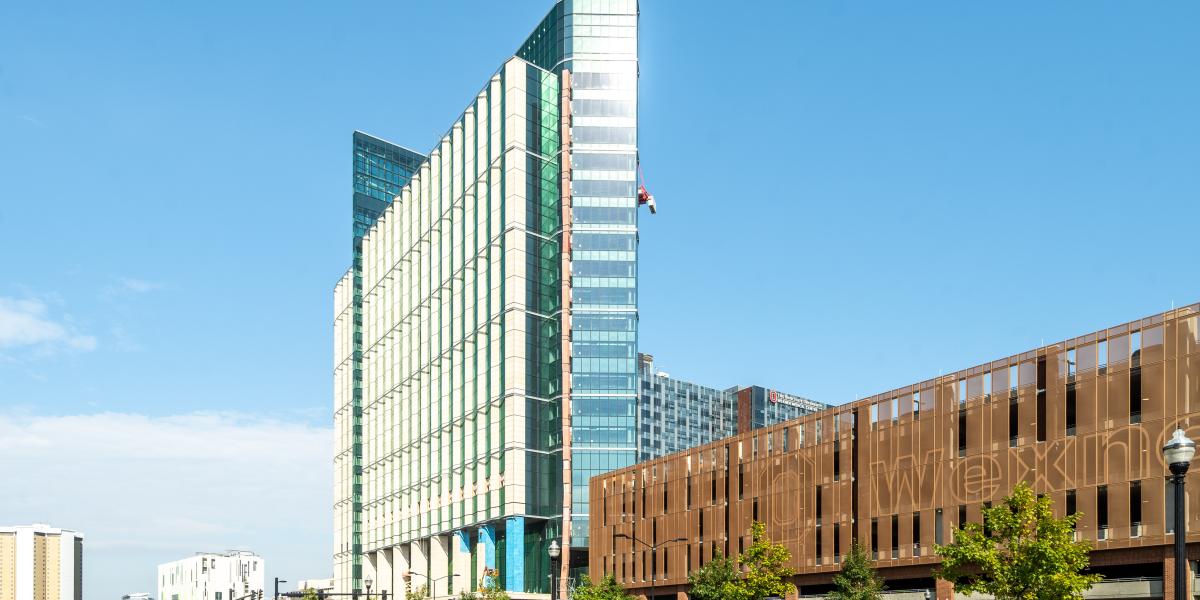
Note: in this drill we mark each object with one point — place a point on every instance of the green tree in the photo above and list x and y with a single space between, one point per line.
607 589
491 591
765 569
709 581
1023 553
857 579
421 592
311 594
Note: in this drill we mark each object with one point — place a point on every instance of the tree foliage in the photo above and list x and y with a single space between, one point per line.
710 580
607 589
857 579
765 568
421 592
491 590
311 594
1024 553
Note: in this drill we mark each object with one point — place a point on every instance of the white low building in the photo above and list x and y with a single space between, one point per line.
210 576
316 585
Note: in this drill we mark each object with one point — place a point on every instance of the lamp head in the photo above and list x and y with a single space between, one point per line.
1179 451
555 551
368 581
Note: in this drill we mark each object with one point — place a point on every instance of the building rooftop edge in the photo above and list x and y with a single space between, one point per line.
1147 321
358 132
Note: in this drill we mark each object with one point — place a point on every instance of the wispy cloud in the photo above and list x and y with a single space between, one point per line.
28 323
139 286
32 120
124 286
149 489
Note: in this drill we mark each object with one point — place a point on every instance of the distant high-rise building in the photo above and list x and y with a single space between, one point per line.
487 347
40 562
675 415
210 576
380 169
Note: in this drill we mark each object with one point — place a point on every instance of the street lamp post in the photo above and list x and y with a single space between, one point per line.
653 547
368 581
555 552
1178 453
431 586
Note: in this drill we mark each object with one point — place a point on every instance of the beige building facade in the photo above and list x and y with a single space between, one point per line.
40 562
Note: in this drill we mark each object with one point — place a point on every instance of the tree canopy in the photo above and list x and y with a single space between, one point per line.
710 580
857 579
607 589
1022 552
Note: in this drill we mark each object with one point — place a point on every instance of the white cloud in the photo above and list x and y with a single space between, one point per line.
26 322
139 286
146 490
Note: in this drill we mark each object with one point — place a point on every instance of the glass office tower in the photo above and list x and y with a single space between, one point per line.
597 40
452 347
380 169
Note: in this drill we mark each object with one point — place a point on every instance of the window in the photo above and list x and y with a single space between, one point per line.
837 461
741 482
916 406
938 533
987 385
1070 409
1012 421
895 410
895 536
962 515
818 543
874 538
837 542
1072 364
1135 395
755 510
1102 354
1102 511
962 433
1071 506
1170 502
689 492
962 391
1135 508
820 490
1135 349
1041 399
916 532
874 414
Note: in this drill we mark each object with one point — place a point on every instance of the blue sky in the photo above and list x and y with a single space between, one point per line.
853 196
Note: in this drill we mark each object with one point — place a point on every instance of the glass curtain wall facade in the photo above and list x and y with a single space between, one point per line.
380 169
462 352
597 40
450 343
675 415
